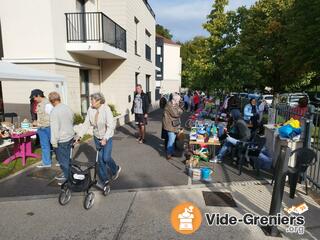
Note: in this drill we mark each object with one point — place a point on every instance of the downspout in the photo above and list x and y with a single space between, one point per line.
100 75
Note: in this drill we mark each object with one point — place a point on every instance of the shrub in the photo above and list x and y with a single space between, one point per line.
114 111
78 119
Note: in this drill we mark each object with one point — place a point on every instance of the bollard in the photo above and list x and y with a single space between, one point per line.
308 127
278 189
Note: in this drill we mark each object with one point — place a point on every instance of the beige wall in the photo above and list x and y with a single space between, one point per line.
26 27
172 69
118 81
37 31
16 94
170 86
172 62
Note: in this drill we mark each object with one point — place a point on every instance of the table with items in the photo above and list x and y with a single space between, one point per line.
22 143
202 143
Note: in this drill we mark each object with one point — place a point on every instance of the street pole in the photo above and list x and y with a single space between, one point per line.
278 190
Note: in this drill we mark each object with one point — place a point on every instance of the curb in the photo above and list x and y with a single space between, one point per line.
221 186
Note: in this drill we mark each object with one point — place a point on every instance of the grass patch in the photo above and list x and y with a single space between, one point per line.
16 165
85 138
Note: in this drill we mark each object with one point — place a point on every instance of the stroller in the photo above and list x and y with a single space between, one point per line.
81 180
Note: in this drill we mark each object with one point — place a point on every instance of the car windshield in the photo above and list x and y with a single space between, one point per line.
268 97
296 98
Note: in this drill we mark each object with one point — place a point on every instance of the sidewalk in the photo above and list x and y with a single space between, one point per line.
143 214
141 200
143 165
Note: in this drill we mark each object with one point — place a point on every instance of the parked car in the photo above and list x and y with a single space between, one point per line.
256 96
243 95
292 99
268 98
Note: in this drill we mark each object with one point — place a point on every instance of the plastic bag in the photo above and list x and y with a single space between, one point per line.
287 131
293 123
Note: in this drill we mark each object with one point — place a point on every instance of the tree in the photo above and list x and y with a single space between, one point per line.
195 64
303 31
274 43
164 32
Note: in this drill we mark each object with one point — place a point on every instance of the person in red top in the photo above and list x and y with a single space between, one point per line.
302 108
196 101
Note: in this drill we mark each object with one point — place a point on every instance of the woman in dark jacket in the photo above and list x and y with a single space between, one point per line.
171 122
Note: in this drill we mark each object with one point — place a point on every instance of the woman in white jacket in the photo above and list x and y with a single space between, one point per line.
100 117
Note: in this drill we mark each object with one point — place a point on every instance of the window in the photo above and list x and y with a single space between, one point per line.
148 88
136 41
1 46
84 91
1 104
148 83
148 44
137 79
80 5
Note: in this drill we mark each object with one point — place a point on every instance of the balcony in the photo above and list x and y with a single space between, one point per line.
95 35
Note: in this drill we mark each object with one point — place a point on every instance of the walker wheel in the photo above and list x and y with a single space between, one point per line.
89 200
65 196
106 190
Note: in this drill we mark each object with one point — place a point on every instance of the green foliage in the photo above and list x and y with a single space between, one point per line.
164 32
78 119
274 43
15 166
114 111
85 138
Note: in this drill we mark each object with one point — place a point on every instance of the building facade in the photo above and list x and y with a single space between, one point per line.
97 45
168 65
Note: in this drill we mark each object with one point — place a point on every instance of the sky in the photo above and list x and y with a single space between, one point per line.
184 18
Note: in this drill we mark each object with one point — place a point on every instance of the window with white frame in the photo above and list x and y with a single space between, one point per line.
148 45
136 41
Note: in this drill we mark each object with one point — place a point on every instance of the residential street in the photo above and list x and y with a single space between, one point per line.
141 199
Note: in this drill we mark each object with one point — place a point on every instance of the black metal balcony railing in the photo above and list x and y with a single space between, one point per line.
148 52
149 8
95 26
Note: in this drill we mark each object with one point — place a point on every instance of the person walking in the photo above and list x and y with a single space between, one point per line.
43 111
171 122
62 133
186 100
100 117
196 101
140 108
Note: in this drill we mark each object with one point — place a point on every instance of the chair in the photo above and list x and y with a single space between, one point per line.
248 152
305 157
10 115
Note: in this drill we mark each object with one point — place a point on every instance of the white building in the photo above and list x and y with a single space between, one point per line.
96 45
168 62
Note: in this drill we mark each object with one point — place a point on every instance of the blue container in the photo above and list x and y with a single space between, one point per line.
206 174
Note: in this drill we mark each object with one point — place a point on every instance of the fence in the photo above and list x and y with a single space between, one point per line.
310 122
